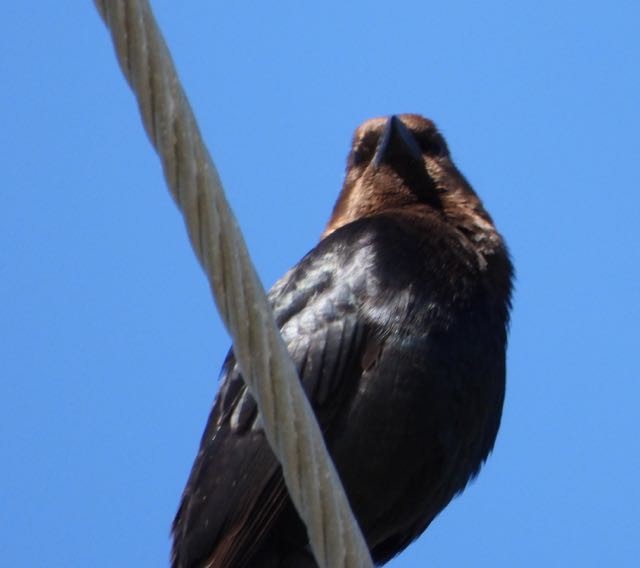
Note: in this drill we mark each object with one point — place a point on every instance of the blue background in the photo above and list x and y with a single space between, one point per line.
109 342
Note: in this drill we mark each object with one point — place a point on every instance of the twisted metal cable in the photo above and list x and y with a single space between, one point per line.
289 422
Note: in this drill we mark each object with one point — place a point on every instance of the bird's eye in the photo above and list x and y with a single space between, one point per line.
434 146
438 149
358 157
362 154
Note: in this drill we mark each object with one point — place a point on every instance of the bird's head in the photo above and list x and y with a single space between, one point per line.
402 162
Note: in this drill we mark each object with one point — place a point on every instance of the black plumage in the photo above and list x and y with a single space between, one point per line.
397 324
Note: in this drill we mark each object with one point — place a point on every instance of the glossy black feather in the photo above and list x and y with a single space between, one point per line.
377 279
397 324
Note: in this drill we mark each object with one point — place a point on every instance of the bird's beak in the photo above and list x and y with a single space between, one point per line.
396 141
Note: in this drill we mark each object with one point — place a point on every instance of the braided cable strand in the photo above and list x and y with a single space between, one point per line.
289 422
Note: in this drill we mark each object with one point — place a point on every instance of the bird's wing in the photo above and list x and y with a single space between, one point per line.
235 492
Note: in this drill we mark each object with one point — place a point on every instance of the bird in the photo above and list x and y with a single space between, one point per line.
397 323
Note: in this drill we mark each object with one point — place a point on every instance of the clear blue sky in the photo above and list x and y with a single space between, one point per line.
109 341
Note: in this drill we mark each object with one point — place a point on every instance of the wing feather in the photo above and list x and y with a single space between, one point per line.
225 516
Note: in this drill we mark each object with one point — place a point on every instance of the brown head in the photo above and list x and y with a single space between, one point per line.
402 162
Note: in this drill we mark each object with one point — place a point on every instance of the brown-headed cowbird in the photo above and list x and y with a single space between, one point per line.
397 323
